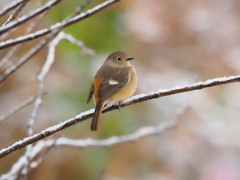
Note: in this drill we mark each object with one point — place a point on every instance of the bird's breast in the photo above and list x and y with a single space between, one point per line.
129 89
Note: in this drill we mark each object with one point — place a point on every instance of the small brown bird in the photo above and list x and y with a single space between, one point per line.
115 81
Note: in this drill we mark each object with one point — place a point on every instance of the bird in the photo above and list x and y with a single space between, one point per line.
115 81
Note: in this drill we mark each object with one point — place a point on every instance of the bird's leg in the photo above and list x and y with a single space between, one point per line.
119 105
108 105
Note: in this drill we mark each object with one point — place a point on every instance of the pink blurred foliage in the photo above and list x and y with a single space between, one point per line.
220 170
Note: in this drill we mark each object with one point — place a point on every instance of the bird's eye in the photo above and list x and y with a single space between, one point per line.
119 59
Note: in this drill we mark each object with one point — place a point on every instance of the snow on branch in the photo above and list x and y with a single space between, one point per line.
38 47
57 26
26 159
17 12
34 50
40 79
80 44
9 7
45 69
5 61
24 19
41 146
135 99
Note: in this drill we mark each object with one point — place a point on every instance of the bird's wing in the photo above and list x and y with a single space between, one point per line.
113 84
90 93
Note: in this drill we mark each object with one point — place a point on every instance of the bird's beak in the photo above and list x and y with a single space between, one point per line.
130 58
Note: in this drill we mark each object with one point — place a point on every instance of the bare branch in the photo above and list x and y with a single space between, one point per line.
135 99
15 14
37 48
86 143
5 59
142 132
42 43
10 6
40 79
17 108
84 49
24 19
59 26
47 65
27 56
45 69
4 62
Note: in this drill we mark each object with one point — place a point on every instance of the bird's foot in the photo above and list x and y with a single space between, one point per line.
119 105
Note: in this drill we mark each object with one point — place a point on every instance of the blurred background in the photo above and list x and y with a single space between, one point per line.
174 43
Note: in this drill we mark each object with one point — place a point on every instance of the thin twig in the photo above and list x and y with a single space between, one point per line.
10 6
17 108
40 79
16 13
6 36
27 56
135 99
26 165
42 43
140 133
24 19
5 59
80 44
38 101
59 26
78 10
45 69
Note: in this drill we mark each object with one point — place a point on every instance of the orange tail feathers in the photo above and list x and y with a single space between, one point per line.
96 117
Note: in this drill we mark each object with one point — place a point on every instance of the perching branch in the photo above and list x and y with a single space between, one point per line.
135 99
58 26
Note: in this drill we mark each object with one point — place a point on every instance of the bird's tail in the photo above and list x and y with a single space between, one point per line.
96 116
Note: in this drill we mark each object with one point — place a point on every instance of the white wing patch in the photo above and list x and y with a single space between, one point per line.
129 79
112 82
